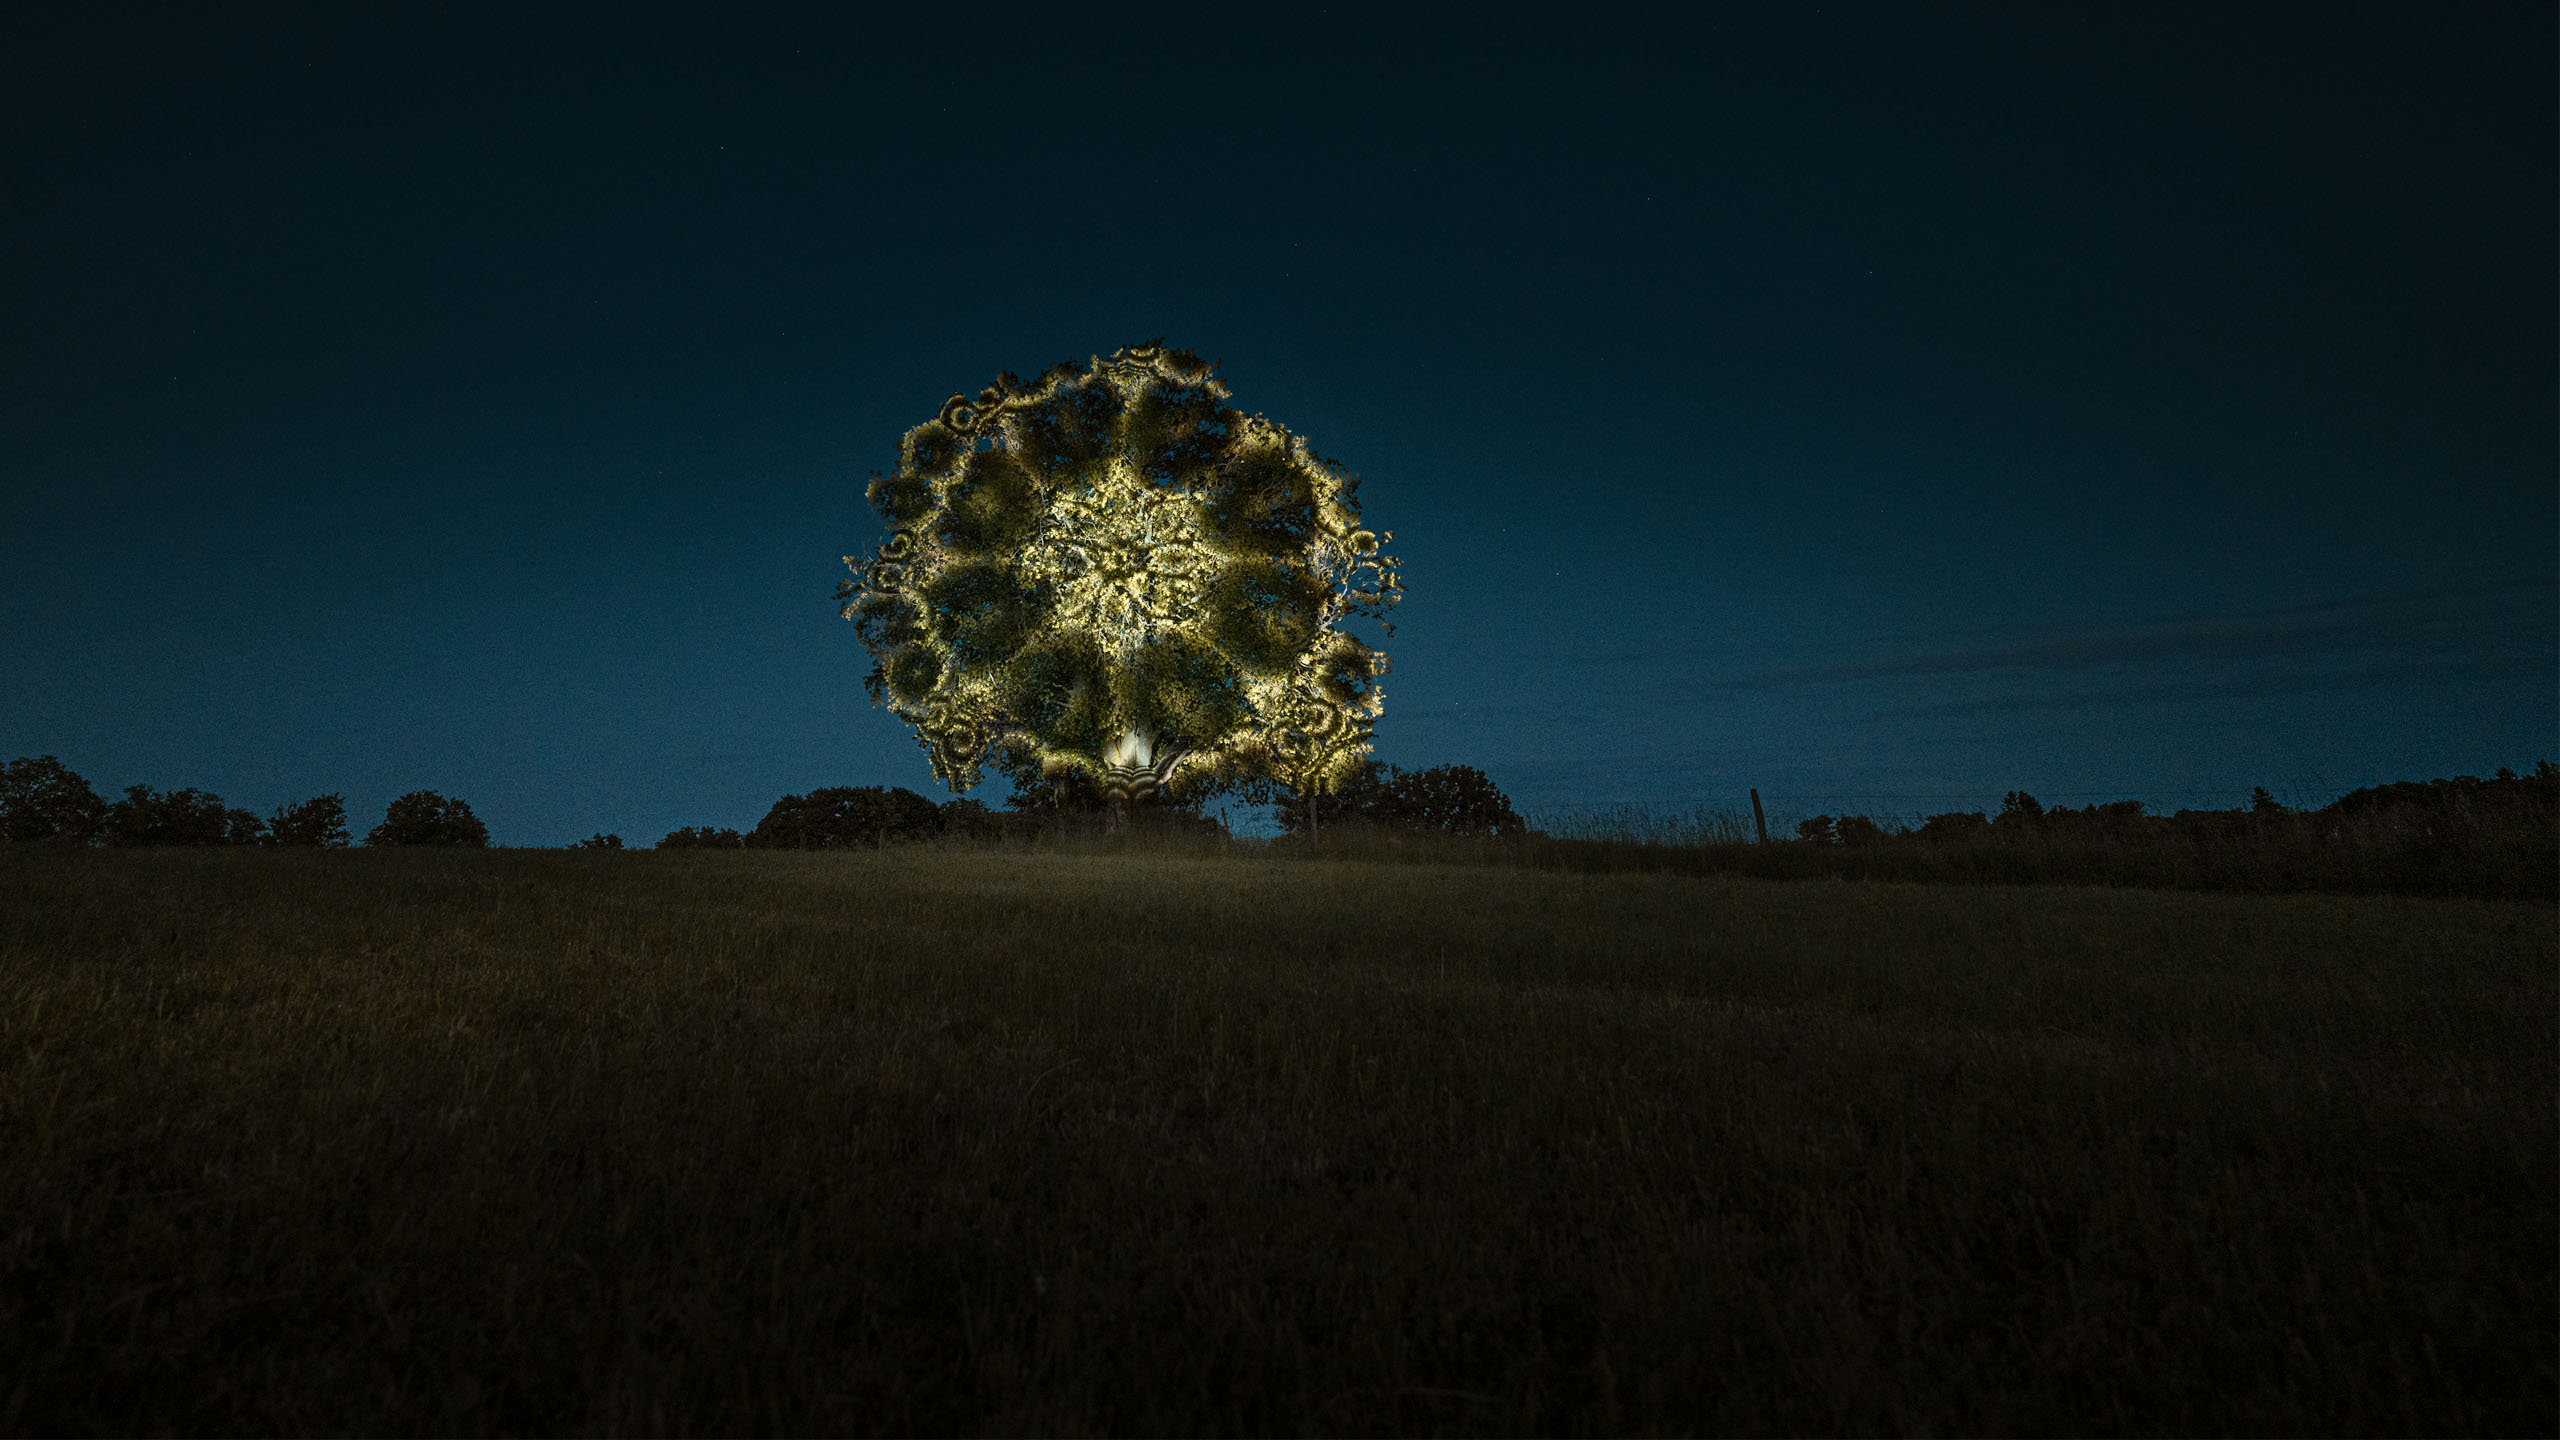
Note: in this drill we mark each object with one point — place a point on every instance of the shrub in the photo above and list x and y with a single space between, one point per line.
1458 800
2019 810
41 800
843 816
598 841
970 820
319 822
1446 800
1954 825
423 817
702 837
1858 830
180 817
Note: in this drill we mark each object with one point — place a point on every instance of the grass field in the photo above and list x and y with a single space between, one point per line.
1007 1141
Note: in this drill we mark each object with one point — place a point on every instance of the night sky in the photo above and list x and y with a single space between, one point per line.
1885 407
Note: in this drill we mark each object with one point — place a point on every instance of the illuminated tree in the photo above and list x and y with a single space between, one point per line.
1108 570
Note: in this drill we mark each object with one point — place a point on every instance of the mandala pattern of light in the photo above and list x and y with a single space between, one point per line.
1109 570
1126 558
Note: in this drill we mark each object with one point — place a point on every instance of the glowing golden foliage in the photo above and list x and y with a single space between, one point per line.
1109 569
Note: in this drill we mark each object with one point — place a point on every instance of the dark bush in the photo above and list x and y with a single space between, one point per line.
1858 830
971 820
1445 800
1846 830
843 816
180 817
2509 797
1954 825
423 817
2492 839
319 822
597 841
702 837
1458 800
2019 810
41 800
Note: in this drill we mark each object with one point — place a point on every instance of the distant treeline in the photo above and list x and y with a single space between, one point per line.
2497 838
1447 800
2508 801
42 801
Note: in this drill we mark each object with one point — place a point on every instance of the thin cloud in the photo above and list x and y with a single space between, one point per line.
2455 617
2241 686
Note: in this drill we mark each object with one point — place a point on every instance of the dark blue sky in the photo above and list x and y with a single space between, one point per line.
1883 406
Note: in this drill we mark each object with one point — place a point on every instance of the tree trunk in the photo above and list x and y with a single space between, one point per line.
1135 770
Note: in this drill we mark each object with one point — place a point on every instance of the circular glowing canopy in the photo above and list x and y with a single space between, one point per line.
1109 569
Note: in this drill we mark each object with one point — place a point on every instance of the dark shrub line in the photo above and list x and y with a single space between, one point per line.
2489 839
43 802
2497 838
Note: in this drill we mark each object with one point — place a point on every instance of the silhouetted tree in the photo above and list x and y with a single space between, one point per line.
2262 803
1443 800
970 820
2465 799
423 817
1954 825
702 837
598 841
845 816
1857 830
1449 800
180 817
42 801
2019 810
1109 571
319 822
1817 831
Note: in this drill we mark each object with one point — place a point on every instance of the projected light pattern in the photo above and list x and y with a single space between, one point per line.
1110 570
1126 557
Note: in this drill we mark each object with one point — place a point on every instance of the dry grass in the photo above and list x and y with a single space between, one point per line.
958 1141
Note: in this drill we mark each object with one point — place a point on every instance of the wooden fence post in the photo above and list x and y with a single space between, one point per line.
1759 819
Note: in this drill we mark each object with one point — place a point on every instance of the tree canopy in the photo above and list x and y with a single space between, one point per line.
1109 571
180 817
1443 800
319 823
42 800
423 817
845 815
